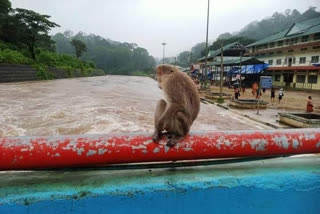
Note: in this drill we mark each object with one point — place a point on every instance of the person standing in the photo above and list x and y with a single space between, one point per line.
309 104
281 94
236 93
254 88
273 94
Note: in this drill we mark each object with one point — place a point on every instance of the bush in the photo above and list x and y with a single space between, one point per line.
43 73
55 60
13 57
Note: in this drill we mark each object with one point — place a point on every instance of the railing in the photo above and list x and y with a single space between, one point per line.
100 150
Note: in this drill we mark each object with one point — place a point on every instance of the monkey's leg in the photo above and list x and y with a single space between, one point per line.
161 107
181 129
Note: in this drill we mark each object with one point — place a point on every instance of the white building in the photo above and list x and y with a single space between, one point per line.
292 55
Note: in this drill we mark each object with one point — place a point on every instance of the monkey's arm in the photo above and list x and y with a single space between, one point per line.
166 120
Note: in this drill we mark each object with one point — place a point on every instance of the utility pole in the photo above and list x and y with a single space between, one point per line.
163 43
221 70
206 54
240 71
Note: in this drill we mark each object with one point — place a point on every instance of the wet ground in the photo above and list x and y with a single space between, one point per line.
293 102
96 105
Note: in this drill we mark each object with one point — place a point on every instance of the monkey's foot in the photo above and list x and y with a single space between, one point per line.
156 137
171 142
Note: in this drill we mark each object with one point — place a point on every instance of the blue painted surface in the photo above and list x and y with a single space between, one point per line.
293 186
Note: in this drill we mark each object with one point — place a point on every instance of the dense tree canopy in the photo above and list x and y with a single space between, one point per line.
254 31
276 23
243 40
111 56
79 47
25 29
34 29
24 38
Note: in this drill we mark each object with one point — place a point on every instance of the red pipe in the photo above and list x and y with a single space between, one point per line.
94 150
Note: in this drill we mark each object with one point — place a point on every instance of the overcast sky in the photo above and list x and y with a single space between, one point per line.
180 23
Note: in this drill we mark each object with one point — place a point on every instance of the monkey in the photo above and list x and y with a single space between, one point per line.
175 114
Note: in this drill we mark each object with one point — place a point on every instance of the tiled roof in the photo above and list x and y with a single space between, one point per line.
304 28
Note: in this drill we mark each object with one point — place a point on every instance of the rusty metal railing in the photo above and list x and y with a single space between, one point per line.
18 153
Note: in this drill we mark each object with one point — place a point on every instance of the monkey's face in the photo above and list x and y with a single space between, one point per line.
162 72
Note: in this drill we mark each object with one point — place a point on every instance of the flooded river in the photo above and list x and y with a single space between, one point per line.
95 105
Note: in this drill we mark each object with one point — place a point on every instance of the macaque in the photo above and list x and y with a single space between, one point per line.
175 115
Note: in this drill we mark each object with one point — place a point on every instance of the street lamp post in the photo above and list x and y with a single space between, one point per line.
163 43
206 55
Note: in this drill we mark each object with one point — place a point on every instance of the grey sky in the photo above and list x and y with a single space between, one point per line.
181 23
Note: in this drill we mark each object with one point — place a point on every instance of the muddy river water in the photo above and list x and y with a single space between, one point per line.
95 105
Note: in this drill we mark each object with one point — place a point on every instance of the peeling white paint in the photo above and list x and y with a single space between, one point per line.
310 136
91 152
295 143
101 151
282 141
188 149
243 143
139 147
166 148
80 150
156 150
258 144
148 142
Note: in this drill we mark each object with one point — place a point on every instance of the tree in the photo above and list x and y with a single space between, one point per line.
79 47
242 40
196 51
184 59
5 8
63 43
225 36
111 56
33 29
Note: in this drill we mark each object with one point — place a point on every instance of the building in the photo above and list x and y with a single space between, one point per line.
292 55
233 59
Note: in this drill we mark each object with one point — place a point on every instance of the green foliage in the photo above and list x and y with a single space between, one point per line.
98 72
33 28
63 61
5 7
184 59
196 51
243 40
43 73
13 57
278 22
25 29
255 31
113 57
79 47
144 73
24 34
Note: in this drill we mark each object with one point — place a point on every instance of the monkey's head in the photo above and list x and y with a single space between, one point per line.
163 72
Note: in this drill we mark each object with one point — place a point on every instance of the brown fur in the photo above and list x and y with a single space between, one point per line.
181 107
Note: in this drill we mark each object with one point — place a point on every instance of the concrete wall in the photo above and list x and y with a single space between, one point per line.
16 73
